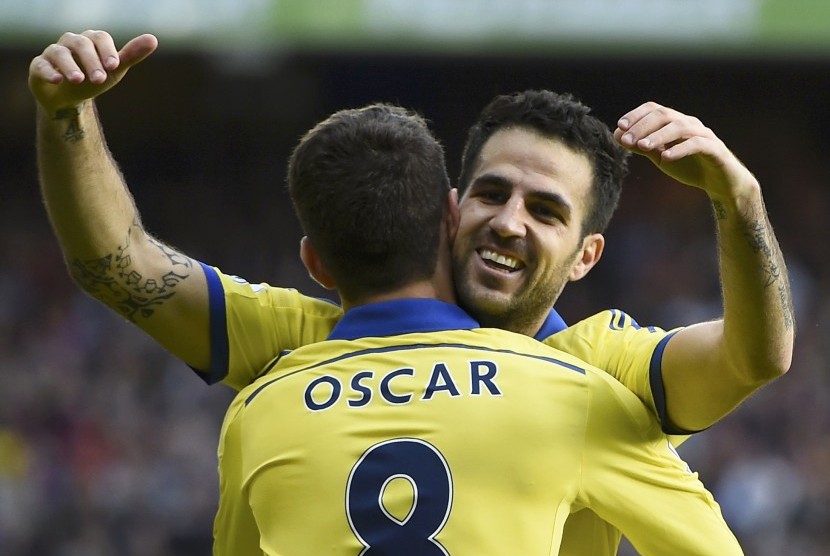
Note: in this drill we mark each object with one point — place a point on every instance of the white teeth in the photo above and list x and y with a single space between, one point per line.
509 262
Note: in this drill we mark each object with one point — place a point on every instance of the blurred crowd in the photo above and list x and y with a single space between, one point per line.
107 444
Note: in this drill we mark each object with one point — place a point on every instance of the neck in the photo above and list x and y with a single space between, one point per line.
426 289
439 286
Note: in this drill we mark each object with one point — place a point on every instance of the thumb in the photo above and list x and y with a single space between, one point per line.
135 51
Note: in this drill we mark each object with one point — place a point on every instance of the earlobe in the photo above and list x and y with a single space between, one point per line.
316 269
592 246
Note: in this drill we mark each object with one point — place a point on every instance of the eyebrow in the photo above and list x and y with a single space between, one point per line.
499 180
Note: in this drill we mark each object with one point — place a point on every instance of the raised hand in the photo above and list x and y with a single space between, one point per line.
79 67
685 149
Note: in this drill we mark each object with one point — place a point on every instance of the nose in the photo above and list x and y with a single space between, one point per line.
509 220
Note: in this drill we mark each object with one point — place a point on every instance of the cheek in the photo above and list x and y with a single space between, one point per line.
467 225
558 255
462 241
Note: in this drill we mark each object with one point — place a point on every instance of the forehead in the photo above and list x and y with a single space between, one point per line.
525 158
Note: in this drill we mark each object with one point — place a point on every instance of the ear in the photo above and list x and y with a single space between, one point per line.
592 246
316 269
453 214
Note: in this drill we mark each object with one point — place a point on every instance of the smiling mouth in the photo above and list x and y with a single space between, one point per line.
500 262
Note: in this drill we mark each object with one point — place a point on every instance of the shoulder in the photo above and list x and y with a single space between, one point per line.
524 346
610 321
236 288
610 338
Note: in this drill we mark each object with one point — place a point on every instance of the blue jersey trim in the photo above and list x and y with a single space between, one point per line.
553 324
619 318
219 345
407 347
658 391
401 316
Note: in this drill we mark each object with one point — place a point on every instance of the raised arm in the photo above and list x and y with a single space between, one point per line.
709 368
107 251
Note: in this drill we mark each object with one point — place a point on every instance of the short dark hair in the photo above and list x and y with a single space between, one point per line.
563 117
369 186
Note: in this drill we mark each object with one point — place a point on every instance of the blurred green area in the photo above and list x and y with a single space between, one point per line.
529 27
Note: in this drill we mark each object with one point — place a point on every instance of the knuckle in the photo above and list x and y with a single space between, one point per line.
36 63
72 40
54 50
653 105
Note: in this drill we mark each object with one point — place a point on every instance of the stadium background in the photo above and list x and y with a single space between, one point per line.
107 444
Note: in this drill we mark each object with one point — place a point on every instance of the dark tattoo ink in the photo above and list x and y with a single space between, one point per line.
74 132
720 211
113 280
758 235
773 273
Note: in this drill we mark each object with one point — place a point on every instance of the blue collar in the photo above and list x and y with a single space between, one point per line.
553 324
401 316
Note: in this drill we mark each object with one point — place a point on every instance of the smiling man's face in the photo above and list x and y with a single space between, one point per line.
519 239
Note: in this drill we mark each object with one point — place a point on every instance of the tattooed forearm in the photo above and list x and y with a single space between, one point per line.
762 242
114 280
756 235
74 132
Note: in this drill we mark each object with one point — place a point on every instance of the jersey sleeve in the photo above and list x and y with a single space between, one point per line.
633 479
614 342
250 324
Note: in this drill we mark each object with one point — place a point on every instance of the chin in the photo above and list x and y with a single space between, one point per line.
484 305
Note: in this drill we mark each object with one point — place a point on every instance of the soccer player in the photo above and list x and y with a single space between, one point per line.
519 240
411 430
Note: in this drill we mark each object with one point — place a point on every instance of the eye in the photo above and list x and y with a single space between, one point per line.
493 196
545 211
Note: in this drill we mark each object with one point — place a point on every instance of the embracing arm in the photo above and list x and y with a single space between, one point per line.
107 250
709 368
634 480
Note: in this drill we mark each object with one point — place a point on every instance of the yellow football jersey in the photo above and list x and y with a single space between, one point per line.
250 323
446 442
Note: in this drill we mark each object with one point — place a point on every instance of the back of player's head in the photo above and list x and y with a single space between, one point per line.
562 117
369 186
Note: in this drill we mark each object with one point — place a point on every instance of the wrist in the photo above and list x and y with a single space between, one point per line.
741 200
68 122
54 111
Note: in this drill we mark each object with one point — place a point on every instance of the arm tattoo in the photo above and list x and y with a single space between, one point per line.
113 280
757 235
74 132
762 242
